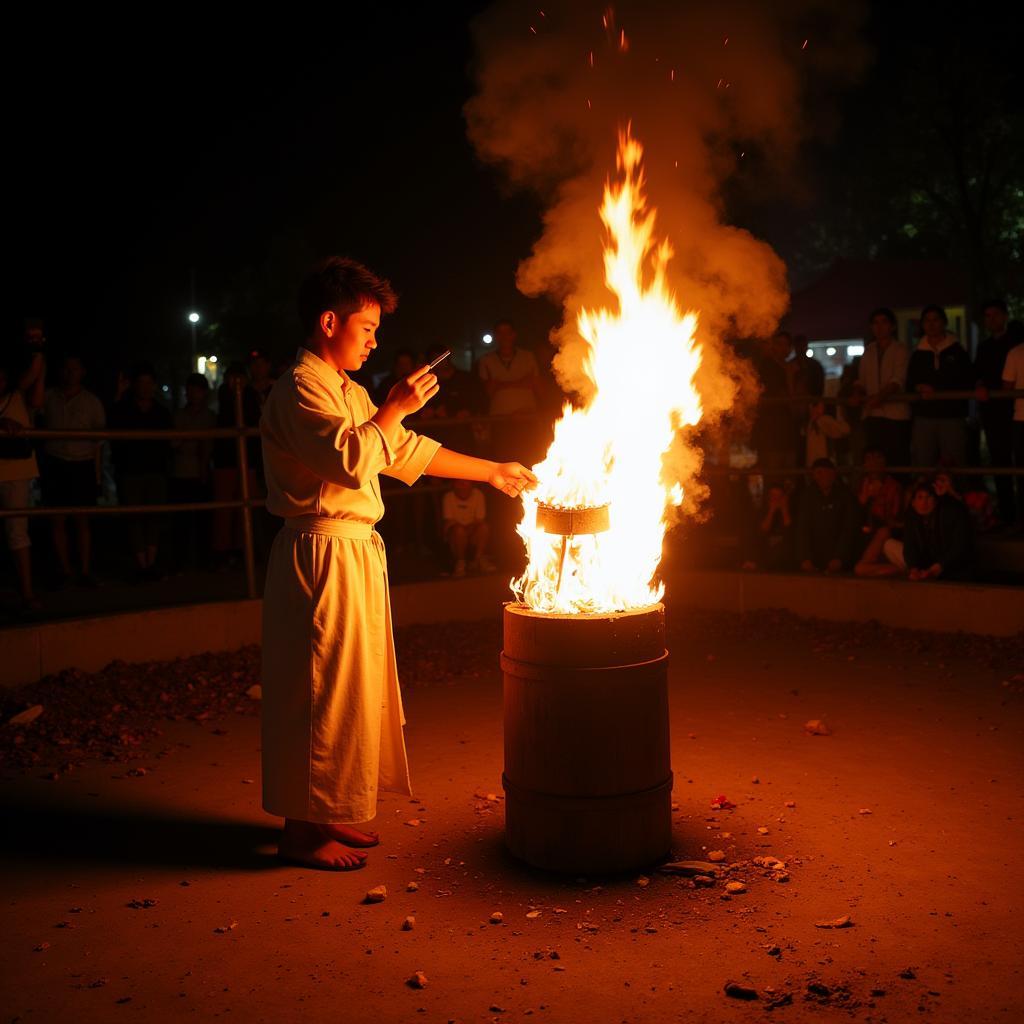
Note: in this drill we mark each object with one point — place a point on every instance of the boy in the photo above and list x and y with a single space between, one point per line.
332 710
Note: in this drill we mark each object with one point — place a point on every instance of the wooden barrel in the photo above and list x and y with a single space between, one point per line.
588 775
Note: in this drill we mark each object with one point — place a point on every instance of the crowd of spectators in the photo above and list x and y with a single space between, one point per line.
832 489
918 518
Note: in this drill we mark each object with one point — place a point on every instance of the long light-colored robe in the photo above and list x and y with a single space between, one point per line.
332 709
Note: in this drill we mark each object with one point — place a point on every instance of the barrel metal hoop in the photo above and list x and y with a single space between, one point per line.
602 803
532 671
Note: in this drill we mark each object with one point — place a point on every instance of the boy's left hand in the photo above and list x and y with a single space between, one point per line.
511 478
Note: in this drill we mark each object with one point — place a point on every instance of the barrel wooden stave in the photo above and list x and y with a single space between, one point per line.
588 777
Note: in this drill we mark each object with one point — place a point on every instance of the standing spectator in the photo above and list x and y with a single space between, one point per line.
226 540
28 368
261 374
939 363
190 467
18 468
774 433
141 466
401 366
459 394
808 375
510 374
882 372
820 431
997 415
1013 378
72 469
826 532
464 513
511 379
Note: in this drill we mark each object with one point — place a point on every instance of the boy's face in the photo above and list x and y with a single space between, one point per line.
353 340
196 396
463 489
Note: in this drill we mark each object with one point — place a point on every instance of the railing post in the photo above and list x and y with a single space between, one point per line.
243 476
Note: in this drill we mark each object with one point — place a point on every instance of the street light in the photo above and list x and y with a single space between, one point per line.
487 339
193 319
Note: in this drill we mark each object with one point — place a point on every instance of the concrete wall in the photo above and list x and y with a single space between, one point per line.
943 607
28 653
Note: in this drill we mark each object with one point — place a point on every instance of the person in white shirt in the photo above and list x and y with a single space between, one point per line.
72 469
510 374
464 517
331 707
882 372
1013 377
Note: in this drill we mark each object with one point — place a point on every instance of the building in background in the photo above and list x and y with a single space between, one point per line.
832 312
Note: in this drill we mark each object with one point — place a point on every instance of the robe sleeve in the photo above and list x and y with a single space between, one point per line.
411 453
327 443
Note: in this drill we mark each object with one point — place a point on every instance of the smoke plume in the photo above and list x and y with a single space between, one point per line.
710 89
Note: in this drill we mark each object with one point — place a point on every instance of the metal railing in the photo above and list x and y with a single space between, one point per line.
247 502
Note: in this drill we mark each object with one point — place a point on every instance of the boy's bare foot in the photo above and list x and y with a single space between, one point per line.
352 836
312 845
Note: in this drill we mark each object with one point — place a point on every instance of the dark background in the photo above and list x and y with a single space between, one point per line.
143 150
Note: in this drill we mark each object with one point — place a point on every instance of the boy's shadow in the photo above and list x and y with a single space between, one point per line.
62 834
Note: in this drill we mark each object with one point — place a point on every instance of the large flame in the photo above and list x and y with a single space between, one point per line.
612 450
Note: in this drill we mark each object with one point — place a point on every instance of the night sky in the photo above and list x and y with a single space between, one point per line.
146 149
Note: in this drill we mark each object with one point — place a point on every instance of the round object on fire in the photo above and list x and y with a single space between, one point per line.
567 522
588 776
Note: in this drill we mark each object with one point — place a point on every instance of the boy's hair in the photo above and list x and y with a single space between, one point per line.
999 304
886 312
197 380
937 310
343 286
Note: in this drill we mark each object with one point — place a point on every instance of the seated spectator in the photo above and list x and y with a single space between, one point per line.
939 363
937 539
464 515
827 523
141 466
820 430
880 497
974 498
773 544
72 469
190 467
18 468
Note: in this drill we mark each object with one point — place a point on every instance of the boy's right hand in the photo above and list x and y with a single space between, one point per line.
412 393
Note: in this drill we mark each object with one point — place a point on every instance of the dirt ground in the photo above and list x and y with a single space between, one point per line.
144 887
